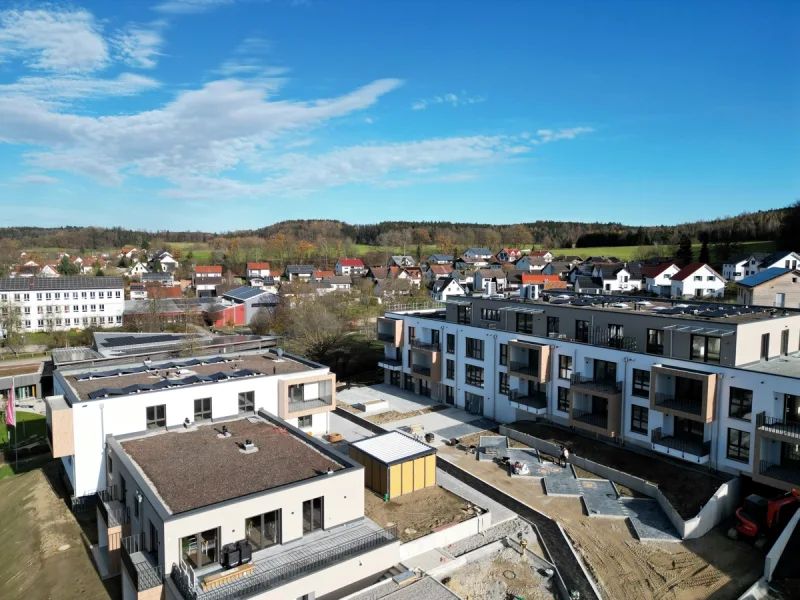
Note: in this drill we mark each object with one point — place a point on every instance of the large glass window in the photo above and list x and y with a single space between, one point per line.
312 515
451 369
705 348
738 445
524 323
451 343
563 399
263 531
605 370
503 354
156 416
296 393
247 402
641 383
582 331
464 315
475 348
200 549
202 409
474 375
639 418
449 395
741 404
502 382
490 314
655 341
564 367
552 325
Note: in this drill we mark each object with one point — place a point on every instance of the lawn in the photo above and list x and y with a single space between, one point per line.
29 425
627 252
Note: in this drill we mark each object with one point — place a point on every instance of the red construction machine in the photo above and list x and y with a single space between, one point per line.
760 519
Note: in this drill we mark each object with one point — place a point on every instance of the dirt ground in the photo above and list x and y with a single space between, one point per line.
709 567
494 577
418 513
393 415
686 489
42 555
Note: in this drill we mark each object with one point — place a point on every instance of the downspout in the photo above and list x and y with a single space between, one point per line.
626 360
717 408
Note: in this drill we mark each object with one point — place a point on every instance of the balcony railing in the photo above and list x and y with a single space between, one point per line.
535 398
391 362
693 406
655 349
790 474
114 517
143 574
386 337
318 402
266 576
601 384
693 447
421 370
525 368
429 346
777 425
594 419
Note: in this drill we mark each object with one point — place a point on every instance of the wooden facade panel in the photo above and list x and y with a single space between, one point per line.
419 474
430 470
407 483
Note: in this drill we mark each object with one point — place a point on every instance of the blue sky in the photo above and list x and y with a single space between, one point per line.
231 114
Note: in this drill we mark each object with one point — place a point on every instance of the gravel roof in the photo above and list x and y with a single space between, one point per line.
193 469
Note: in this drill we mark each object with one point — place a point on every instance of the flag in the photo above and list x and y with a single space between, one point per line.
10 412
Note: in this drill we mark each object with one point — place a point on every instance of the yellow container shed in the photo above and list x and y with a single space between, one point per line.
395 463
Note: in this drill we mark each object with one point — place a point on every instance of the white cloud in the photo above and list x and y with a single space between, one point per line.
139 46
53 40
570 133
36 179
71 87
253 45
452 99
184 7
369 120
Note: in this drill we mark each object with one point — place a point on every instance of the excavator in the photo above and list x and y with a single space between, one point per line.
760 519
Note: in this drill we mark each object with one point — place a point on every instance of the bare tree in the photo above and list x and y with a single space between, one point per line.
261 321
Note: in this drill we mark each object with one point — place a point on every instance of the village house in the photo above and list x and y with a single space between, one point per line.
775 286
349 266
697 280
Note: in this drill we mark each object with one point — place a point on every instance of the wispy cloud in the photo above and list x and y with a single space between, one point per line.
71 87
553 135
185 7
451 99
36 179
139 46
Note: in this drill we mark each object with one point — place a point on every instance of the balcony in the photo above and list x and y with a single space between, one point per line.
684 393
518 369
112 509
696 451
295 560
392 364
594 385
386 337
655 349
390 331
307 396
425 346
143 569
322 401
596 420
535 400
777 428
421 370
784 477
528 360
689 406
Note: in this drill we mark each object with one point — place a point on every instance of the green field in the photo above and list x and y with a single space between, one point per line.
627 252
29 426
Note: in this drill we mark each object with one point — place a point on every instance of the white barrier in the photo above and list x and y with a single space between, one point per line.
774 554
444 537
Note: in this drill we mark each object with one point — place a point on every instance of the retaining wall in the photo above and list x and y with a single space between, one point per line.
774 555
721 505
450 535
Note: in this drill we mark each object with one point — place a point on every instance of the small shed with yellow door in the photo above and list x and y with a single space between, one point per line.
395 463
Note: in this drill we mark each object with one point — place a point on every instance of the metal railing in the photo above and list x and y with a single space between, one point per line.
594 419
430 346
601 384
386 337
787 474
524 368
392 362
144 576
778 425
112 517
318 402
267 576
694 447
687 405
534 398
655 348
421 370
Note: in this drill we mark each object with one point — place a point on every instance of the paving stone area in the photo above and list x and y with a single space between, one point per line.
600 498
560 481
499 443
465 429
649 521
530 458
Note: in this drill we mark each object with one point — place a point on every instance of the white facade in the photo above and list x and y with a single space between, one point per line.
137 269
790 261
47 309
531 263
349 267
662 283
620 282
482 278
451 288
258 270
703 283
734 271
478 254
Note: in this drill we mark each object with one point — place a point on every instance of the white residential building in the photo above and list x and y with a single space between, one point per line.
509 255
697 280
168 262
658 278
401 261
531 263
485 276
206 278
615 278
61 303
479 254
258 270
445 288
137 270
349 266
719 387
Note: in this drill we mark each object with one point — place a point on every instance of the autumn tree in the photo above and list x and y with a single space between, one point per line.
65 267
517 236
260 322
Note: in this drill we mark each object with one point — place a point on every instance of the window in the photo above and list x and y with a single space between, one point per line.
263 531
563 399
503 354
110 465
297 393
741 404
639 416
135 507
38 297
74 296
200 549
93 308
102 307
83 295
48 296
490 314
412 333
564 367
655 341
451 343
312 515
582 331
84 307
502 386
100 295
785 342
116 295
91 295
641 383
698 278
156 416
304 422
738 445
765 346
247 402
474 375
202 409
451 369
464 315
705 348
615 334
449 395
425 388
552 325
475 348
524 323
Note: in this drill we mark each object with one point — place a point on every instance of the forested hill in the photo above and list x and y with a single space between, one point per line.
760 225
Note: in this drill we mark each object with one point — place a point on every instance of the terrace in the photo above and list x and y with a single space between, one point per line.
687 448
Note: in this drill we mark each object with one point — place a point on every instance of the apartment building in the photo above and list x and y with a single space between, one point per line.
205 279
92 402
246 508
60 303
712 384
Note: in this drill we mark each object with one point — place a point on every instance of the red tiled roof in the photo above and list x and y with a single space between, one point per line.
351 262
210 269
510 250
258 266
160 291
441 269
538 252
538 278
690 269
654 271
321 274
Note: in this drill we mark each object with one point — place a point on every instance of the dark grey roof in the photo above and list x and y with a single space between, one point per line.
774 257
25 284
479 251
763 277
635 269
243 293
339 279
587 283
440 258
759 256
300 269
157 276
610 272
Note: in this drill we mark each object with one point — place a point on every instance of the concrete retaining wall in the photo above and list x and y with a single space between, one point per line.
720 506
440 539
774 554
